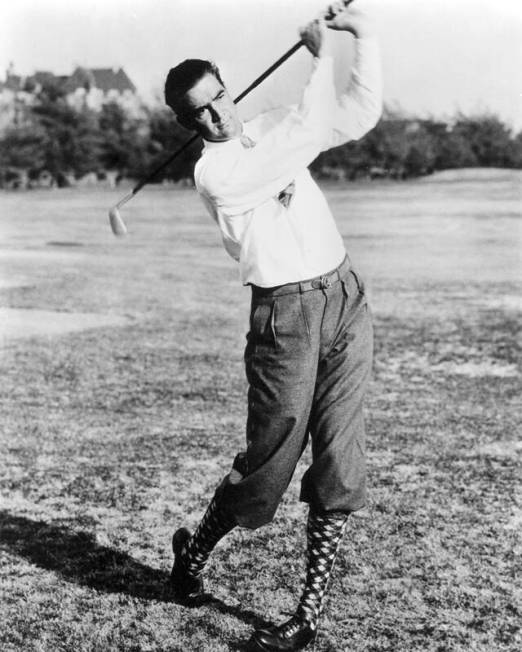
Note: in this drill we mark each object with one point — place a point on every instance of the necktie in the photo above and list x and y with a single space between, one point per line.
247 142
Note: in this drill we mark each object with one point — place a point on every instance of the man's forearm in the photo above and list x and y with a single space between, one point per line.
360 105
365 85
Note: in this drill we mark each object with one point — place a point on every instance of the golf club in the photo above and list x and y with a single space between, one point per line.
117 224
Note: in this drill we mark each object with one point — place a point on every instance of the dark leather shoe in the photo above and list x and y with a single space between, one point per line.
295 634
187 589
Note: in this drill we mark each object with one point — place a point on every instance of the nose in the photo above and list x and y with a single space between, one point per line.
215 114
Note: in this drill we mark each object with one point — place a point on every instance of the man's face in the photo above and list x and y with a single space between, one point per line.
209 109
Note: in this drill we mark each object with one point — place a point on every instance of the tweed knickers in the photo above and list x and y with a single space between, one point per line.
308 359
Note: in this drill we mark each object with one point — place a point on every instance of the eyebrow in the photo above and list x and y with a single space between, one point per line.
203 106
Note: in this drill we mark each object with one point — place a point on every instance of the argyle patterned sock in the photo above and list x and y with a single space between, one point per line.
216 522
324 533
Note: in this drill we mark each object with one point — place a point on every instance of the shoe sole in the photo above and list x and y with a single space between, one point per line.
257 646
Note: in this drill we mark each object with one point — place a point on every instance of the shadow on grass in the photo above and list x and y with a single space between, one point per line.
78 558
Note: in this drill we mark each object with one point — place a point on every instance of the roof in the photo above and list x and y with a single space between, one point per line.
40 78
12 82
106 79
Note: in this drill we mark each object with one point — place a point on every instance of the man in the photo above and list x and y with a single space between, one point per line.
309 349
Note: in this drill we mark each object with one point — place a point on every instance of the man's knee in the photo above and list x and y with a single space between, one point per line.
250 499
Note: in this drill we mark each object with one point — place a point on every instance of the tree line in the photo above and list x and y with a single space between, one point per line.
402 147
68 143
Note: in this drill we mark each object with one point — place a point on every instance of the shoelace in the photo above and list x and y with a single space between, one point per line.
289 628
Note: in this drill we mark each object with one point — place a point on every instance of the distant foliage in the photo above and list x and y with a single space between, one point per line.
71 140
401 147
65 144
58 141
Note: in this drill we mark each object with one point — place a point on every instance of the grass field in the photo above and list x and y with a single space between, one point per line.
115 432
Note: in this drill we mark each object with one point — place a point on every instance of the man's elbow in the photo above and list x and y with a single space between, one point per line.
375 114
374 109
368 120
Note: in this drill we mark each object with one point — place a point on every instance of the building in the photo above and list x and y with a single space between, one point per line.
94 87
90 87
13 100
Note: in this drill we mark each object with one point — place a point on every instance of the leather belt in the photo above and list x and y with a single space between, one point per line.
322 282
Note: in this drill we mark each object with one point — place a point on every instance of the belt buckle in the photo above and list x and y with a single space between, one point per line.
325 282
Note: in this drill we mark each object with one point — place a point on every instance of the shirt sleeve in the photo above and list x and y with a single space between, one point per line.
360 106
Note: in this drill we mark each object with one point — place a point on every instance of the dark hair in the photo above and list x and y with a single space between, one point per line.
183 77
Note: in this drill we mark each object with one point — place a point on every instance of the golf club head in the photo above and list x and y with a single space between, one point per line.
117 224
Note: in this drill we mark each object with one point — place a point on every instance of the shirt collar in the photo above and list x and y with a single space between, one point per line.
233 142
212 144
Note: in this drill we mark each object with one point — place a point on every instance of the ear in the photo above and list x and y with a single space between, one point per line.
186 122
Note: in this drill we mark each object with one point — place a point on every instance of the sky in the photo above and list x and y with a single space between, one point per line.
439 56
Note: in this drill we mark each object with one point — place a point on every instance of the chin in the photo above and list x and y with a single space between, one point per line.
229 134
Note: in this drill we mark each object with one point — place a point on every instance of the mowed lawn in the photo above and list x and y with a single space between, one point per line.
113 436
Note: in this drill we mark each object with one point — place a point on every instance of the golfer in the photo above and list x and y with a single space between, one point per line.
309 350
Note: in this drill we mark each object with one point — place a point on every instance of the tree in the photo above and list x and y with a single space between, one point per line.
165 137
67 141
517 151
489 139
120 147
23 147
72 140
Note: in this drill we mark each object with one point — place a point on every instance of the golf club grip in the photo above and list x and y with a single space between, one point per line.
250 88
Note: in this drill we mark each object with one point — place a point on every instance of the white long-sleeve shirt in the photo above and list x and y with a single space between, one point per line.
275 245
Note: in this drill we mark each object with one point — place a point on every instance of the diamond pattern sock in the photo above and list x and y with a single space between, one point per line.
216 522
324 533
